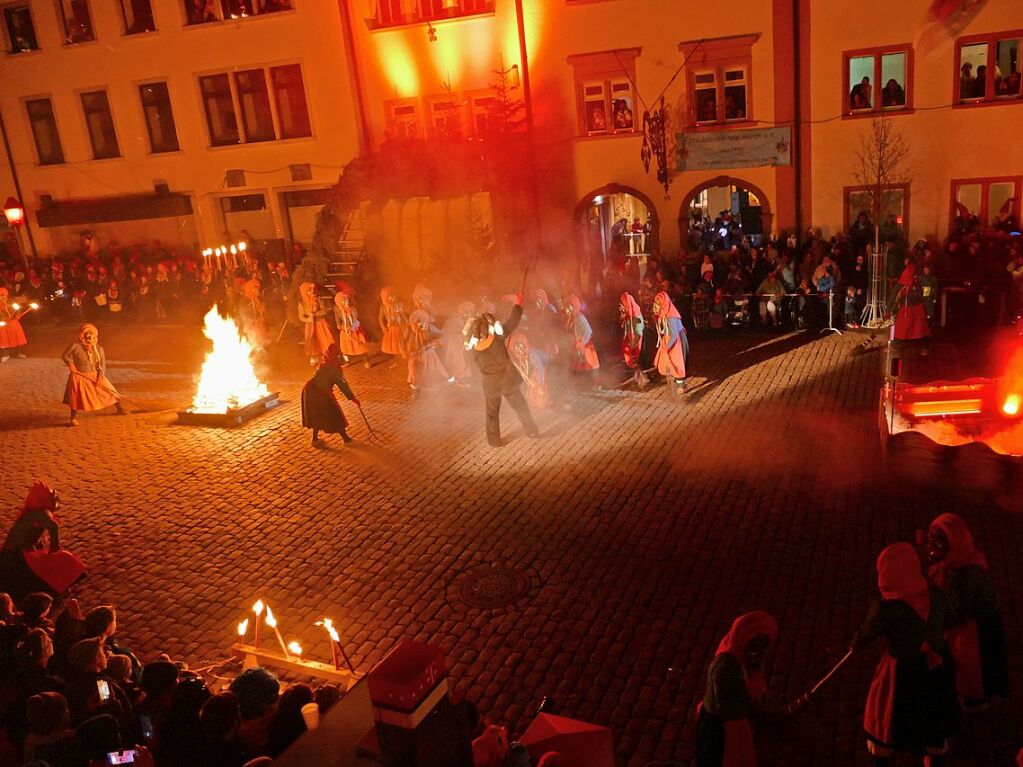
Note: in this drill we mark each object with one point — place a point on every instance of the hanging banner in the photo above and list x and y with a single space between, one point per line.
721 150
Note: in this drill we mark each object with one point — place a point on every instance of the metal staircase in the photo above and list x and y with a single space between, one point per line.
349 248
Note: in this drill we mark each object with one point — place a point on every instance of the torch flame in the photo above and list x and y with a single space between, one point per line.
243 627
15 306
294 648
33 305
1011 405
228 380
271 621
328 624
258 607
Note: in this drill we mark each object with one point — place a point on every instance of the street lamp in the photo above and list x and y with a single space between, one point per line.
14 212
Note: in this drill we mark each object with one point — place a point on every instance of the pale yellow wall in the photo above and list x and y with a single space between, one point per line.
310 35
945 143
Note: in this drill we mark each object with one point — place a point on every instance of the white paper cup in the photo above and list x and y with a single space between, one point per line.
311 714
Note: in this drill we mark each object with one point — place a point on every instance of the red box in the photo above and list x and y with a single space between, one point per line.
406 675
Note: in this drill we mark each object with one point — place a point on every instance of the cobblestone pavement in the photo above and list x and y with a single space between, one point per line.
640 526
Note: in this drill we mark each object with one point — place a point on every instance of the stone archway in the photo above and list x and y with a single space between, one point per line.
684 220
618 192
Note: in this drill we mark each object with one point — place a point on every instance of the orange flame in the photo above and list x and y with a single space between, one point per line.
271 621
328 624
228 379
243 627
1011 405
294 648
258 608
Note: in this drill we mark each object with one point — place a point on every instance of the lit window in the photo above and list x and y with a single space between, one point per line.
201 11
606 100
877 80
220 117
100 123
77 20
445 118
860 211
595 108
289 96
44 131
985 202
989 68
391 13
718 79
156 107
21 34
404 119
137 16
254 104
481 107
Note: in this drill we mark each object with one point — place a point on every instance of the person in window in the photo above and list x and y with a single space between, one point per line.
1008 85
893 95
708 110
597 120
201 12
142 13
980 84
966 81
735 109
621 115
862 95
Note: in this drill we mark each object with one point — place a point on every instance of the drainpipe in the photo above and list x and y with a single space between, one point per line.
354 74
797 118
17 189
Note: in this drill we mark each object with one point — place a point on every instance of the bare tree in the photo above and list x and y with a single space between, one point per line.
882 159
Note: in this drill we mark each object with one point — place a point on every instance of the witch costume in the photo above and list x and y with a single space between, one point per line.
87 387
320 409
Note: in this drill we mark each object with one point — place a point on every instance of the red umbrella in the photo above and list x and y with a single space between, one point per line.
580 744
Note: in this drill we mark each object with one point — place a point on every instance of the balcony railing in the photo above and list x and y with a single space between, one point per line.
395 13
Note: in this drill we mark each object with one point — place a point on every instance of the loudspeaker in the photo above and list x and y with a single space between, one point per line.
234 178
301 172
162 190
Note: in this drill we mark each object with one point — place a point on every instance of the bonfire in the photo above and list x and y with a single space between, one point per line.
228 380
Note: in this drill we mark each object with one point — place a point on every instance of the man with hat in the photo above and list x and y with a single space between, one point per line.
486 339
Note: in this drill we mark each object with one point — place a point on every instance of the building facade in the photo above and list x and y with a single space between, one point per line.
223 115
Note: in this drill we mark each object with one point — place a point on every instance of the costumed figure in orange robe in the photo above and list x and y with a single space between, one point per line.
911 705
453 352
532 366
672 341
12 334
88 388
631 318
585 357
422 298
424 364
252 314
318 335
32 559
974 629
351 336
736 692
392 323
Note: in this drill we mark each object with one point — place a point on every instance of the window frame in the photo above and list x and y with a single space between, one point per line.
718 56
221 16
423 14
877 53
22 6
170 103
390 105
62 18
238 93
275 103
82 94
127 27
990 99
56 129
985 182
906 198
604 69
474 108
456 112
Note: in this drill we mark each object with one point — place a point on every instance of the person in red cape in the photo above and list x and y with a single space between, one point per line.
320 409
672 341
911 317
32 559
318 335
975 633
585 358
736 692
87 387
392 323
631 318
911 706
12 334
351 336
424 364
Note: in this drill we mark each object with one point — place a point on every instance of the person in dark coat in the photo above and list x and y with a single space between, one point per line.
911 706
975 633
320 410
486 339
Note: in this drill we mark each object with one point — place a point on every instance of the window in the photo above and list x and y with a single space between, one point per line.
44 131
445 118
606 101
289 96
156 108
480 108
719 79
137 16
403 119
207 11
390 13
992 201
245 94
254 103
894 206
100 123
988 68
877 80
220 117
21 34
77 21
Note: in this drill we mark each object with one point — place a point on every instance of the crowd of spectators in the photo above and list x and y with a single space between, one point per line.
73 695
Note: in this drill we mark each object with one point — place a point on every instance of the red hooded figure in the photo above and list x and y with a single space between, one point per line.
585 358
672 342
632 330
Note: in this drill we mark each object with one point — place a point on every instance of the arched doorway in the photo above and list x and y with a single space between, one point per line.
618 222
718 213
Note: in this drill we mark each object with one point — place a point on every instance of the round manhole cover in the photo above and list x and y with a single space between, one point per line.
489 587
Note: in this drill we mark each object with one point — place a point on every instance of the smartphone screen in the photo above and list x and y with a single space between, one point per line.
104 690
123 757
147 727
